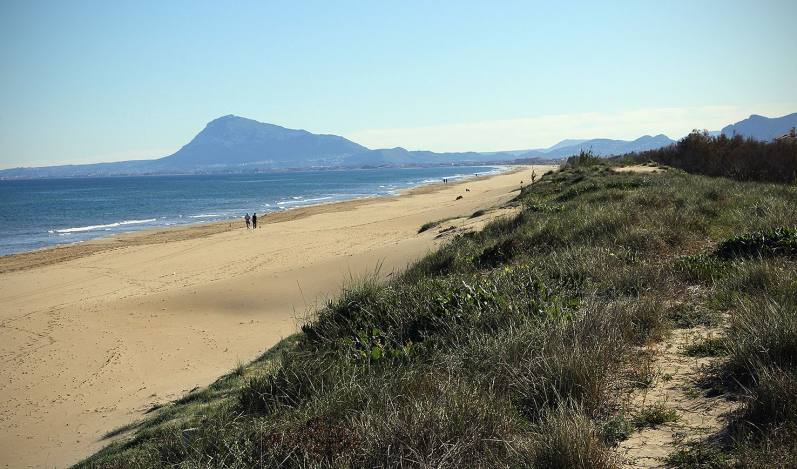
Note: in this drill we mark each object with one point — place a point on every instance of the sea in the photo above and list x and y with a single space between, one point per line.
40 213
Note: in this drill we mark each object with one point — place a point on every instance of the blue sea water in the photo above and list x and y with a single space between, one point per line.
46 212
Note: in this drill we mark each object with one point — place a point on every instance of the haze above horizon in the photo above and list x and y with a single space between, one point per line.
95 81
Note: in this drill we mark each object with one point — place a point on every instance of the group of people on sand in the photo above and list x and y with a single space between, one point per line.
251 222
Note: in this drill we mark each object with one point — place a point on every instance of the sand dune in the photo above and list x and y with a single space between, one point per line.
92 335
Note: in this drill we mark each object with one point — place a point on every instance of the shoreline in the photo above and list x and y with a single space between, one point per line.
92 340
49 255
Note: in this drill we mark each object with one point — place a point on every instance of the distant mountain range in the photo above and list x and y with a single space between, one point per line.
762 128
232 144
599 147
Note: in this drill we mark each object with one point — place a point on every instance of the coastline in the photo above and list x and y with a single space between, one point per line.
94 338
157 235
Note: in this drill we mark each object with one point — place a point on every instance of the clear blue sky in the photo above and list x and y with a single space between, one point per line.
86 81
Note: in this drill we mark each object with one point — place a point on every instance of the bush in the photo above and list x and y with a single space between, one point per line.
583 159
734 157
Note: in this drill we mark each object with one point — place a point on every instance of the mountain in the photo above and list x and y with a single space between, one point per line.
601 147
233 144
235 141
762 128
568 142
402 157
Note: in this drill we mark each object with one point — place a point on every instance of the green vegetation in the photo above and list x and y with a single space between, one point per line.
510 347
711 347
699 455
708 347
584 158
655 415
429 225
734 157
478 213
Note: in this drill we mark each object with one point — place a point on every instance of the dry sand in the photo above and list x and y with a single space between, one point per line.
638 168
92 335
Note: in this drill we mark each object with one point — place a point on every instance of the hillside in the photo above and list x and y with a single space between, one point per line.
600 147
762 128
536 342
233 144
233 140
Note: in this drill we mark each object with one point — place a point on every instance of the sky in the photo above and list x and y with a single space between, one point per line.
85 81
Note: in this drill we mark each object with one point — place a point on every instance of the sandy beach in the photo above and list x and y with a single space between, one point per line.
92 335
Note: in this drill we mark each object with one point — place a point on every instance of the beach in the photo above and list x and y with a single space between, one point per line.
94 334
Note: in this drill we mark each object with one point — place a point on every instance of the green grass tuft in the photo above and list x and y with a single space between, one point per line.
654 415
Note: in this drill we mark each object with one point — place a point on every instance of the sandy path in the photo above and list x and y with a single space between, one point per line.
94 334
675 387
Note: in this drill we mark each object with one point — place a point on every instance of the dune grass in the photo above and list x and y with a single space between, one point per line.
432 224
509 347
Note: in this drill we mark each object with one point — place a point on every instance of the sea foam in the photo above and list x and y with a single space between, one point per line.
81 229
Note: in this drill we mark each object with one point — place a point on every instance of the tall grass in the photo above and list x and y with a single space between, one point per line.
506 347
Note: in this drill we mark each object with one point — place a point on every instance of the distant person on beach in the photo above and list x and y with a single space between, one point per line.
254 220
246 218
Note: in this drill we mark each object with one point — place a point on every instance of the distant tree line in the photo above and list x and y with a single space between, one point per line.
735 157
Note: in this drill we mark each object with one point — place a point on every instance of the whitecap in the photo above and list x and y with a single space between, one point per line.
107 227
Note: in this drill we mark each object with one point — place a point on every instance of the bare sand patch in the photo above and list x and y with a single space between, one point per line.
638 168
675 387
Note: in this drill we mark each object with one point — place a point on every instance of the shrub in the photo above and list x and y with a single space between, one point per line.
615 429
734 157
583 159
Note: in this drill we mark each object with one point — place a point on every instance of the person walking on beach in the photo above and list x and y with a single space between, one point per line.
254 221
246 218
